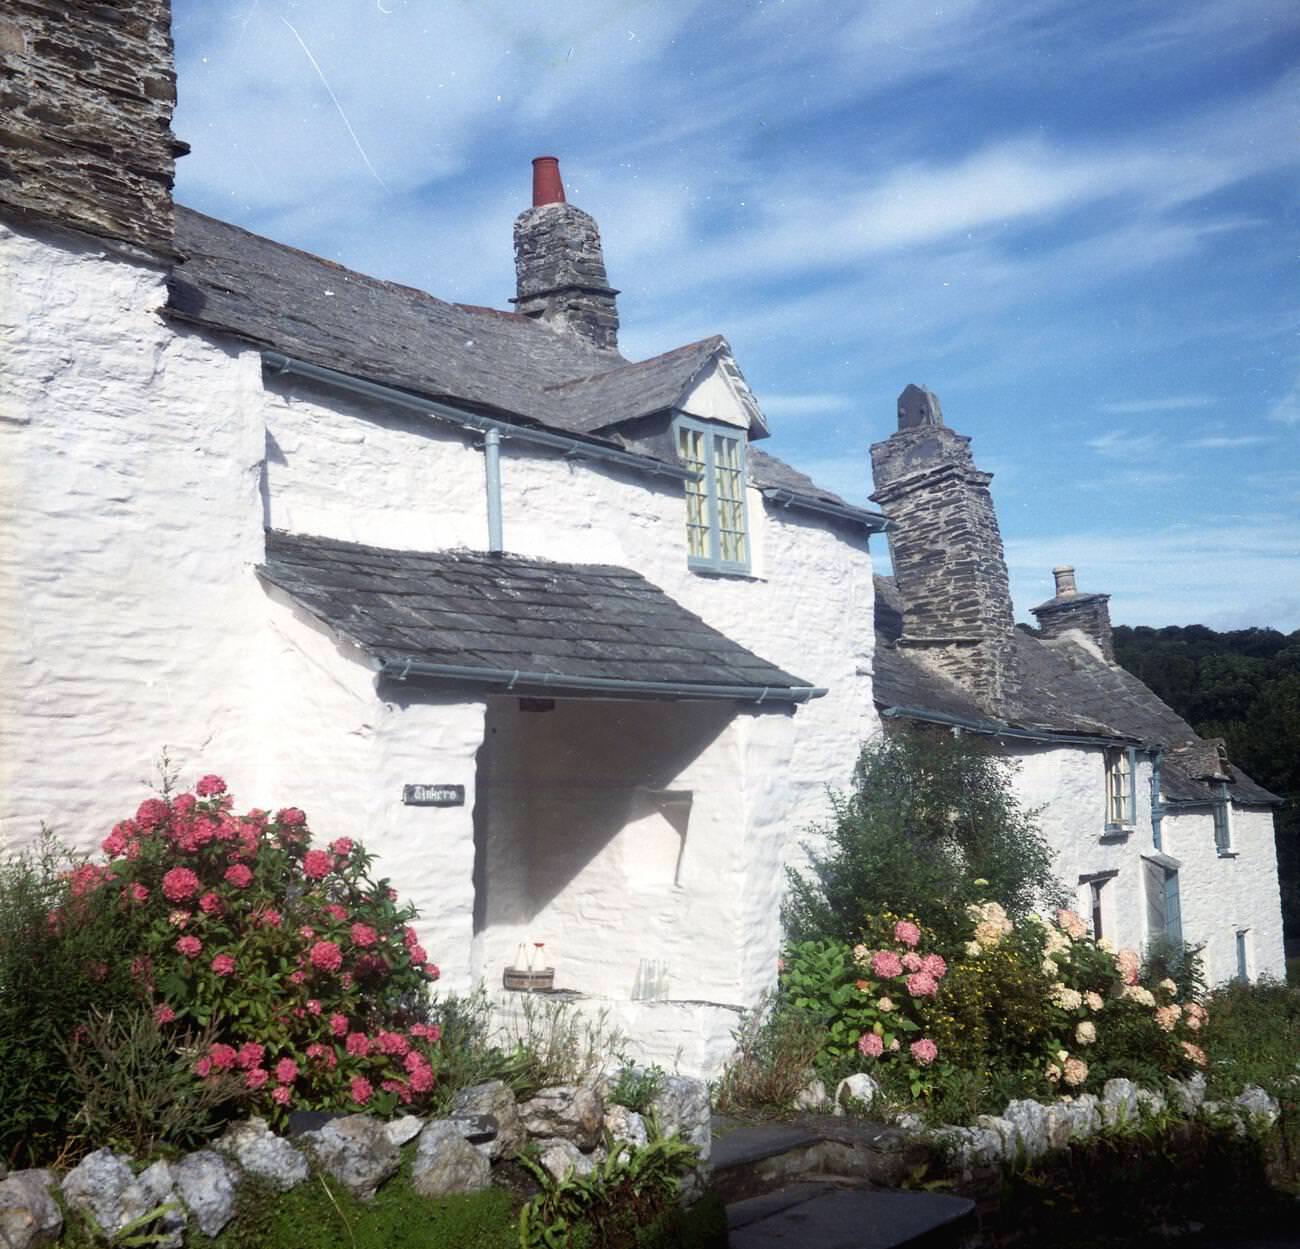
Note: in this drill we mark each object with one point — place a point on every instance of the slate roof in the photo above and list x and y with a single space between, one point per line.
280 298
507 613
767 472
1062 688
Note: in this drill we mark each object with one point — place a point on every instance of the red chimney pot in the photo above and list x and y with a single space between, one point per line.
547 187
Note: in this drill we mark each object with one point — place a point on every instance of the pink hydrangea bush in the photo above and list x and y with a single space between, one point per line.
309 969
871 996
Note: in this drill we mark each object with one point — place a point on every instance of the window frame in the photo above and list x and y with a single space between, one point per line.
709 431
1121 788
1221 812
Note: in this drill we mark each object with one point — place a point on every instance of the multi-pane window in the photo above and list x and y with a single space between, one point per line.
1121 798
716 532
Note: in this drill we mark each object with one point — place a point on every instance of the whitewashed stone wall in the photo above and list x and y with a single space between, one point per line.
129 464
140 463
1221 896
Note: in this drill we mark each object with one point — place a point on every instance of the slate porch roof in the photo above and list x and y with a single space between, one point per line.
505 613
1062 688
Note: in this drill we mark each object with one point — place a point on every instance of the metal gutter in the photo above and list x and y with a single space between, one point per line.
875 522
573 448
521 681
996 729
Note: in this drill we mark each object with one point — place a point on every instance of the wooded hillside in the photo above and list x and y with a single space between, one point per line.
1243 686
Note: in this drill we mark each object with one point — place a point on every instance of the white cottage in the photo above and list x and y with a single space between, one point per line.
1156 831
535 622
539 624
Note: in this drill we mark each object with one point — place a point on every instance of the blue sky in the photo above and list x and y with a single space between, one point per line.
1074 222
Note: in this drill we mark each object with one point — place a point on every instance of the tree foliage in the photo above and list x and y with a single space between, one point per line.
1243 686
930 814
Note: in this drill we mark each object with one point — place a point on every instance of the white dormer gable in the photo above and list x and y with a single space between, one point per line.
719 392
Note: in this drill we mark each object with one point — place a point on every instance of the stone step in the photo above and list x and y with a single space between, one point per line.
820 1216
757 1158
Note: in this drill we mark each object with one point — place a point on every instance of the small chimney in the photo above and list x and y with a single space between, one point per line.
559 264
946 550
548 188
1071 609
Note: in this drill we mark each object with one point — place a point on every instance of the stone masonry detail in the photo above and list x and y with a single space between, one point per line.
86 99
946 549
1075 609
560 272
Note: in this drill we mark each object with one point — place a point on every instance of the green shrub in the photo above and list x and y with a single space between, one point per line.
1253 1037
637 1087
931 825
137 1087
776 1049
607 1209
62 953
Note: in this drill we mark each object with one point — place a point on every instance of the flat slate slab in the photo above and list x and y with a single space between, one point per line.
849 1219
754 1142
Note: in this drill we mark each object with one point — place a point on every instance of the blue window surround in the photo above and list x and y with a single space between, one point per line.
1223 824
1157 806
1243 969
713 562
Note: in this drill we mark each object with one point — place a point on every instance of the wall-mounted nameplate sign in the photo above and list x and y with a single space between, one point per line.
433 795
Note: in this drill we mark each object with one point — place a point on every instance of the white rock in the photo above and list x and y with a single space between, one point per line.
681 1108
159 1186
494 1098
356 1151
858 1087
562 1158
574 1112
1029 1119
812 1097
1261 1109
262 1153
103 1186
407 1128
445 1162
29 1217
1119 1102
1150 1102
1188 1094
207 1183
623 1124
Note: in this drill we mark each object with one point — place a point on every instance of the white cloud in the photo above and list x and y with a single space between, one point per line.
1207 572
1287 408
1169 403
1227 442
1120 444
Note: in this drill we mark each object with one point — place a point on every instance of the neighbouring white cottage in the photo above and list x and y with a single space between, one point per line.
1156 831
539 624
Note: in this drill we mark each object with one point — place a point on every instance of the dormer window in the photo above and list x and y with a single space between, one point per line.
717 532
1121 795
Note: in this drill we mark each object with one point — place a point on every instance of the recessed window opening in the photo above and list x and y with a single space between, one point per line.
717 530
1243 967
1094 894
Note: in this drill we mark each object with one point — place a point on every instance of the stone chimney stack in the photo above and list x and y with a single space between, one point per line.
86 99
559 266
947 550
1070 609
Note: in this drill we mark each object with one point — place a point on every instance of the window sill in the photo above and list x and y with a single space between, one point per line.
729 574
1117 832
1229 854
